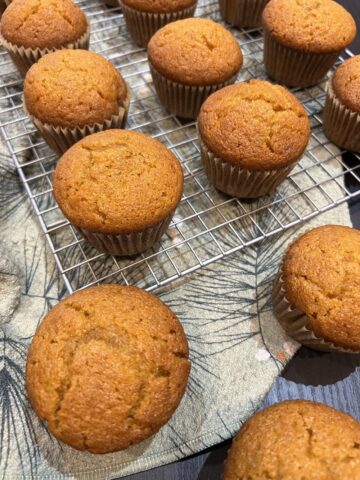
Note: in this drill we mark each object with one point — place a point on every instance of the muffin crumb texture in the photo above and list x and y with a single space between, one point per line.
296 440
195 51
42 23
321 273
254 125
159 6
346 83
107 368
317 26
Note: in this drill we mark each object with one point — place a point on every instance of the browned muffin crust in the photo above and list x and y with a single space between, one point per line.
42 23
118 181
321 273
317 26
74 88
296 440
254 125
159 6
195 51
346 83
107 367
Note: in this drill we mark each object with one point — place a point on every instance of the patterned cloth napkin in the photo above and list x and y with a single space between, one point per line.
237 347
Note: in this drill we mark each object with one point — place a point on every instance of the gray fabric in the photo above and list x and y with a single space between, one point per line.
237 347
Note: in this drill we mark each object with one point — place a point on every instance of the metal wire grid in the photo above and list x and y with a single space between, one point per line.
208 225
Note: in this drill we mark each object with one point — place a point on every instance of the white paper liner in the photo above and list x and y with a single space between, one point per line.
294 321
25 57
143 25
127 244
341 125
61 139
183 100
237 181
242 13
293 67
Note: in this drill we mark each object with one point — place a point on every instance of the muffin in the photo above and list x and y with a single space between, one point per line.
303 39
189 59
296 440
69 94
120 341
242 13
120 189
251 136
31 28
316 295
144 18
341 119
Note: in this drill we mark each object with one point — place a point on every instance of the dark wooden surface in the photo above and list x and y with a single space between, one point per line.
329 378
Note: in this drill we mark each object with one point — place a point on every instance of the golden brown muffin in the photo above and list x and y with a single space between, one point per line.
74 88
159 6
117 181
107 368
296 440
254 125
195 51
346 83
42 24
321 275
316 26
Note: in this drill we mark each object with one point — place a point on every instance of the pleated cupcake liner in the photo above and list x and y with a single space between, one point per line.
242 13
25 57
183 100
341 125
295 68
61 139
127 244
143 25
237 181
294 321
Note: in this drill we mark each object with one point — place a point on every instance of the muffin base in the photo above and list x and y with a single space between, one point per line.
127 244
242 13
294 321
293 67
143 25
61 139
25 57
183 100
341 125
237 181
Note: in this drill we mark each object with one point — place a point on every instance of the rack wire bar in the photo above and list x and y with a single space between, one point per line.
208 225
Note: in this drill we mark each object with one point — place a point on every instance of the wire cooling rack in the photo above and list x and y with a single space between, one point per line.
208 225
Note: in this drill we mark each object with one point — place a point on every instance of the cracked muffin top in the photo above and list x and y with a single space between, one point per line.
42 23
107 367
346 83
321 273
254 125
74 88
195 51
296 439
117 182
159 6
317 26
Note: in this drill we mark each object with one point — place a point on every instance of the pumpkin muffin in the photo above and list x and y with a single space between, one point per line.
69 94
296 439
316 295
144 18
120 189
189 60
304 38
342 108
242 13
251 136
107 368
31 28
